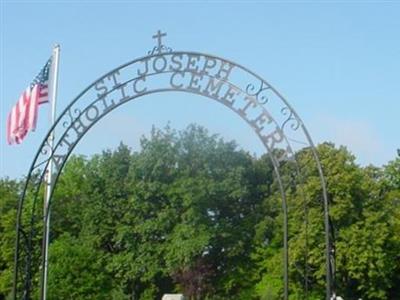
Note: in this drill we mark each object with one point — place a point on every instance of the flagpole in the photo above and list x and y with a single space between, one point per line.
53 85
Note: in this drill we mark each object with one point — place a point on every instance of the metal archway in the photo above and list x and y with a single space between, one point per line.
275 122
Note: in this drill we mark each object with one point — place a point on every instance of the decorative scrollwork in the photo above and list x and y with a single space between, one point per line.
46 148
259 93
159 50
72 115
291 119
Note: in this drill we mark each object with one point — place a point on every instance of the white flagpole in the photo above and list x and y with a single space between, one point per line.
53 85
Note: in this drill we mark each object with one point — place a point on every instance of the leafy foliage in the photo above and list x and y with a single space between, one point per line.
192 213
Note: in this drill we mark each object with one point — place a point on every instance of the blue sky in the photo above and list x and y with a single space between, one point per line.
337 63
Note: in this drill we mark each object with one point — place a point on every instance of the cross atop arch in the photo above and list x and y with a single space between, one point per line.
159 37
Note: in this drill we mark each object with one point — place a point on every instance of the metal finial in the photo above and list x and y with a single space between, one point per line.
159 48
159 36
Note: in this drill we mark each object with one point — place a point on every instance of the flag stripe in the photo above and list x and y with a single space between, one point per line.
23 115
13 122
33 104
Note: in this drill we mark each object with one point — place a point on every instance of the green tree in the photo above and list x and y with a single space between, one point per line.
77 271
192 213
9 192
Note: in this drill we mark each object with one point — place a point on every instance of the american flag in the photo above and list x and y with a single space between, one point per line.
23 115
42 79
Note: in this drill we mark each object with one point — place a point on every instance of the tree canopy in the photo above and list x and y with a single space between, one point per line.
192 213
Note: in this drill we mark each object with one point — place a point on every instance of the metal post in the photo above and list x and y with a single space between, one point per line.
285 251
330 280
329 276
53 84
328 246
285 232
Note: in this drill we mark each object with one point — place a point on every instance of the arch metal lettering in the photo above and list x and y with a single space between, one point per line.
254 100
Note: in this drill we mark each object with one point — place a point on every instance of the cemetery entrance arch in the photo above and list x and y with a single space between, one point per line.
248 95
